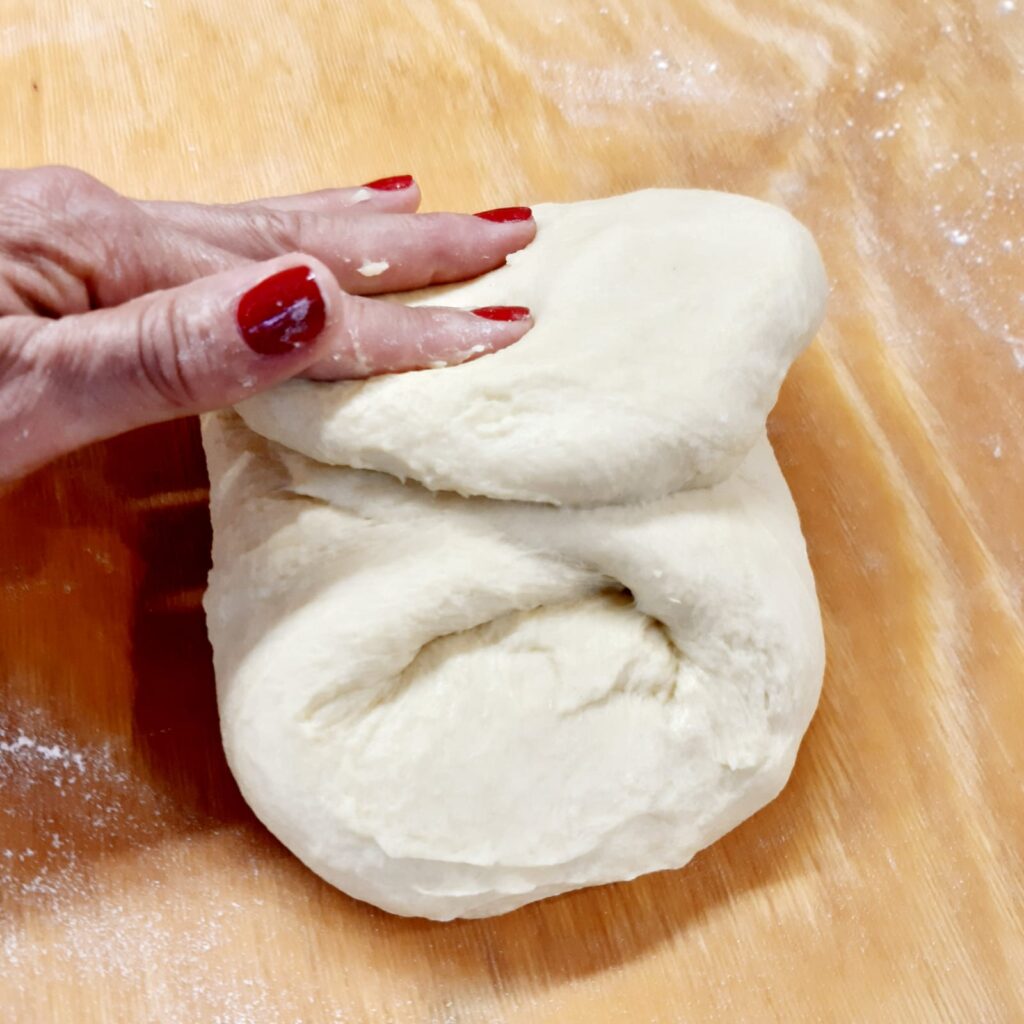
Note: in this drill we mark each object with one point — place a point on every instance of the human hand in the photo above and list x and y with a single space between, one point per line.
116 313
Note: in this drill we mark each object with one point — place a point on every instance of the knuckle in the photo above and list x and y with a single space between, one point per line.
61 180
165 359
54 188
442 239
57 226
280 230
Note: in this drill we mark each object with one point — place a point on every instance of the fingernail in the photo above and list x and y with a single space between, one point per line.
282 313
393 184
506 214
502 312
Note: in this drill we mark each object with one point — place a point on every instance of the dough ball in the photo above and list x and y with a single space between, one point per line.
546 620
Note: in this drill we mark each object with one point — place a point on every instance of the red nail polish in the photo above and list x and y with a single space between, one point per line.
506 214
502 312
282 313
392 184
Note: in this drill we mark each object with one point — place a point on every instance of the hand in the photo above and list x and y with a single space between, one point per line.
116 313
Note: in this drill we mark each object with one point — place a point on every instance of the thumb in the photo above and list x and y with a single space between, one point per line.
190 349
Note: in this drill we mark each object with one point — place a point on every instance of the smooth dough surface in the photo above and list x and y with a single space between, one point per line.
665 322
450 706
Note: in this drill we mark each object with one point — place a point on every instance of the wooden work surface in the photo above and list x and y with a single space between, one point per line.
886 883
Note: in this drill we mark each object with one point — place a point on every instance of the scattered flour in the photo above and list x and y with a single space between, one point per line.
68 807
373 268
593 94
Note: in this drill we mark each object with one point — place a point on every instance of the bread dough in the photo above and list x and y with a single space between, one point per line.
665 322
451 706
448 707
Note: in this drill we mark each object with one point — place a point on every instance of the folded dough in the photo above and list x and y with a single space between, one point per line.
666 320
450 706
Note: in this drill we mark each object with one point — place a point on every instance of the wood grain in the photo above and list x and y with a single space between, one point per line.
886 883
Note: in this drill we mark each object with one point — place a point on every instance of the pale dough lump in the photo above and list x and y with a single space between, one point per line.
544 620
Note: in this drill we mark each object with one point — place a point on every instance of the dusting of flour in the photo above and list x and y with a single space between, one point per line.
70 807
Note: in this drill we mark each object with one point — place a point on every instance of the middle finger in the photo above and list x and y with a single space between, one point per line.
375 253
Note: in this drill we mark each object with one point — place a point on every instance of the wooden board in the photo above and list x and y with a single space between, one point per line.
886 883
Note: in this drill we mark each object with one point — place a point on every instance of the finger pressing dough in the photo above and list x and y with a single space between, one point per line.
665 322
560 629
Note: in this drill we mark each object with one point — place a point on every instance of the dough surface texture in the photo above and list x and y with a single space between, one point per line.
564 639
665 322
